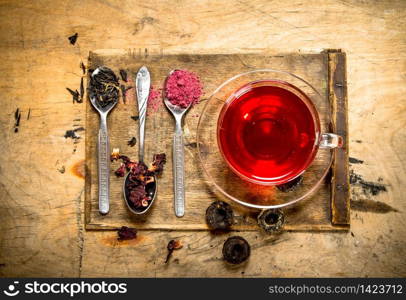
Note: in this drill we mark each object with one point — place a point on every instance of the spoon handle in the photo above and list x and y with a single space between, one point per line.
103 147
142 84
179 171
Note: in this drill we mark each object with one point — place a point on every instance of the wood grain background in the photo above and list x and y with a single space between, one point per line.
41 171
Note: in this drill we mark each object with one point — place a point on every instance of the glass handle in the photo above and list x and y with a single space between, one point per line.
330 141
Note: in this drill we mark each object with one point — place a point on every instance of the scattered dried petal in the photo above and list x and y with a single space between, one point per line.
158 163
172 245
120 172
126 233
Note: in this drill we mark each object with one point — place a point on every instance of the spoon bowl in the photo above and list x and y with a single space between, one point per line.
151 189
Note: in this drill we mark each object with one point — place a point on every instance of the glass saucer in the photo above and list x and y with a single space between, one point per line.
234 187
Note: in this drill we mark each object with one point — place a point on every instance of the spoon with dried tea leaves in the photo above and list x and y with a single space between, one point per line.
103 94
142 87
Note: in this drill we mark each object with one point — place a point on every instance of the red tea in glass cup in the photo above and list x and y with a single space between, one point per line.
268 132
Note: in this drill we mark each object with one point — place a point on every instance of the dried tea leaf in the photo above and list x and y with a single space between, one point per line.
17 117
82 90
83 67
123 93
75 95
132 142
123 75
104 87
73 38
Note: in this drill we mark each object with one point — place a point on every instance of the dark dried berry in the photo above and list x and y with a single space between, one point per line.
132 142
290 185
172 245
219 215
271 220
135 118
126 233
236 250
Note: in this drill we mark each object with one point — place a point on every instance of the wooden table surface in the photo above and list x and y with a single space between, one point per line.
41 207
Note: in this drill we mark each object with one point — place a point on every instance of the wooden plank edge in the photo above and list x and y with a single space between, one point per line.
200 227
340 185
87 202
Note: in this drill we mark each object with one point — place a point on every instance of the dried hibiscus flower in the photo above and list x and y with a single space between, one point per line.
126 233
120 171
158 162
172 245
139 177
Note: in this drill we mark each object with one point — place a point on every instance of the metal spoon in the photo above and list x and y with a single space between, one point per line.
178 156
103 146
142 84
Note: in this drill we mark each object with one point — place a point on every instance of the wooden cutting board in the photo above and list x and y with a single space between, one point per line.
328 209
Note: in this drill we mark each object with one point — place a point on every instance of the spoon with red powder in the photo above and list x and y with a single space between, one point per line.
182 90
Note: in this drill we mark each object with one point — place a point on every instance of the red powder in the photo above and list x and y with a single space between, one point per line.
154 100
183 88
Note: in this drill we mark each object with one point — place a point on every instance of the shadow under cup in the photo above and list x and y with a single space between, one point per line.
268 132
